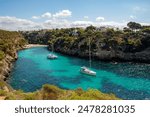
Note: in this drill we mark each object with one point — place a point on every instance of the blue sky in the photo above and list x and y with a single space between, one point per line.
76 11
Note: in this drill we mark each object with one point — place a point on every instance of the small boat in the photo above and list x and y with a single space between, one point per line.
52 56
87 71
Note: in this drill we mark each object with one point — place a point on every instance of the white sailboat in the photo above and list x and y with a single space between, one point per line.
86 70
52 55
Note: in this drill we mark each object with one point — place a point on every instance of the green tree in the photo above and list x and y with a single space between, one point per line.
134 25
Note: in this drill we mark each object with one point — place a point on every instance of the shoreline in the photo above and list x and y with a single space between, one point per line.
34 45
9 67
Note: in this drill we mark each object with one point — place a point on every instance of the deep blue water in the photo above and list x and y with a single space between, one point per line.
33 69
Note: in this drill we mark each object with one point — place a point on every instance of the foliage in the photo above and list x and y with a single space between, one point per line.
2 55
76 40
51 92
134 25
1 84
2 92
10 42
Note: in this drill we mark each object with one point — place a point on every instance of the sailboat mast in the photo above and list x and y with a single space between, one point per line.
52 48
90 54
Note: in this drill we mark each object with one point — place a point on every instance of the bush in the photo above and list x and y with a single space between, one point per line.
2 93
2 55
30 96
50 92
2 84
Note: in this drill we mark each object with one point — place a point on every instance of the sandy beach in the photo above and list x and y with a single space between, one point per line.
34 45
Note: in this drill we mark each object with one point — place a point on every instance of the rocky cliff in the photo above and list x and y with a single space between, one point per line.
111 55
10 43
106 44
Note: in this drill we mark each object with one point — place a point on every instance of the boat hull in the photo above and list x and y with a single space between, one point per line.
51 56
87 71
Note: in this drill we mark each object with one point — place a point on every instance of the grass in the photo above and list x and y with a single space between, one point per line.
51 92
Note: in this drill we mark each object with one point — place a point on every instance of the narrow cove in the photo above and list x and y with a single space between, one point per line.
33 69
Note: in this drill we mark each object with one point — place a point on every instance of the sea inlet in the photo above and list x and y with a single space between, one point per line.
125 80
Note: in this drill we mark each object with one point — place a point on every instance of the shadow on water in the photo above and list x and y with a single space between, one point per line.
33 69
135 70
29 77
121 92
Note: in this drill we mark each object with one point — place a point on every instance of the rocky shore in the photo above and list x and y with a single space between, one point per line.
5 69
47 92
108 56
130 44
34 45
7 62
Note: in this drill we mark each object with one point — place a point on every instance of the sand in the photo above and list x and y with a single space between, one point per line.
34 45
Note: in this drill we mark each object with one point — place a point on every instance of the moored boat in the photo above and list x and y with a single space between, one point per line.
87 71
52 56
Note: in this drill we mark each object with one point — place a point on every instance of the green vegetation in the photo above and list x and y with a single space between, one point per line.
50 92
134 25
74 41
10 42
2 55
131 39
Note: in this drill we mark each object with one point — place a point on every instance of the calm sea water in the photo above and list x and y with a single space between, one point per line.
33 69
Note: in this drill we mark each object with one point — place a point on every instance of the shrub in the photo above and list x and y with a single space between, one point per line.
51 92
1 84
30 96
2 55
2 93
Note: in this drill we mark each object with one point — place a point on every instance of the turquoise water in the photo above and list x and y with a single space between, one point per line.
33 69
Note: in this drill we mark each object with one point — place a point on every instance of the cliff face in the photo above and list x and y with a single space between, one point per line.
10 43
106 44
111 55
6 65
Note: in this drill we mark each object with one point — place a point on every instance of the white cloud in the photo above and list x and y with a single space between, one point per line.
62 14
132 17
81 23
46 15
13 23
62 23
35 17
112 24
86 17
100 19
145 24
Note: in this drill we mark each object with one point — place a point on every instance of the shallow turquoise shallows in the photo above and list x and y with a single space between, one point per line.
33 69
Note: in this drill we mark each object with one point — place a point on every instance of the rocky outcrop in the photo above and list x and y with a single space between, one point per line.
111 55
6 68
106 45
